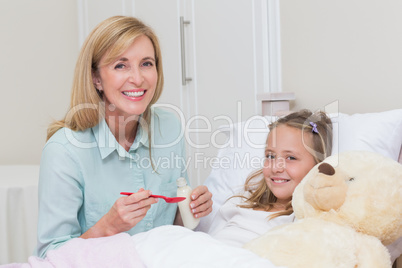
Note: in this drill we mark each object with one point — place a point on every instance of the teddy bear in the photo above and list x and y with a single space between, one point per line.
347 208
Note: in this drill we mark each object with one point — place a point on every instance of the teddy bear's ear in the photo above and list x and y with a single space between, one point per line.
326 169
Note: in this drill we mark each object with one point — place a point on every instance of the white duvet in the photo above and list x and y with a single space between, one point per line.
175 246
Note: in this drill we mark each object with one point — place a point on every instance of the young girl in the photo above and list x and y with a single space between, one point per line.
295 144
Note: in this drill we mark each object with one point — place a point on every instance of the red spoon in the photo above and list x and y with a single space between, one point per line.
167 199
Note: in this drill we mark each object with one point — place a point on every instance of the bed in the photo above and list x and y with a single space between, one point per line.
174 246
376 132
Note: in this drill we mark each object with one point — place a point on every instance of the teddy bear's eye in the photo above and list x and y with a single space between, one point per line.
351 179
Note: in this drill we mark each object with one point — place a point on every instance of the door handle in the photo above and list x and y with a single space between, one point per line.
184 77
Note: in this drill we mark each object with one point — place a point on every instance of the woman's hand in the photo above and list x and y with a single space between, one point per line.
125 213
201 204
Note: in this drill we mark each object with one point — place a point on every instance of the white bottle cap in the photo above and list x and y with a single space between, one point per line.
181 182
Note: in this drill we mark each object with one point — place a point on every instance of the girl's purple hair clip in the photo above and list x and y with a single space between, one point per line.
314 126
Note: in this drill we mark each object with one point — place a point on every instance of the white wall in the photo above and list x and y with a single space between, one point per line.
346 50
38 50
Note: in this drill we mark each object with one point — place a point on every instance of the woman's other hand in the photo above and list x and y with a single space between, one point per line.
201 204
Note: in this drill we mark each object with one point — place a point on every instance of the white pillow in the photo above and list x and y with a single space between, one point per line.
376 132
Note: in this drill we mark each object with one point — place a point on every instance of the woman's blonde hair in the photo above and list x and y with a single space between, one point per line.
111 38
319 126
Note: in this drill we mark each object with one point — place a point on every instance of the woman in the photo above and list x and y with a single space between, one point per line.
112 140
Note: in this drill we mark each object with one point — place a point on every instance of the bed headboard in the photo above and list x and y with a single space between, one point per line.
276 103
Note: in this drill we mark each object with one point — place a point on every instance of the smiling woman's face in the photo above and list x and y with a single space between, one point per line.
128 83
287 162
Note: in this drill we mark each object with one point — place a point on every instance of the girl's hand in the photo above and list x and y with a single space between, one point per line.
127 211
201 204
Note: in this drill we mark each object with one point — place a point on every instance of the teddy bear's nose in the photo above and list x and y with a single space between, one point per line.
326 169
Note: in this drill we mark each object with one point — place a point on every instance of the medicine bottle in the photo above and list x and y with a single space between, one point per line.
183 190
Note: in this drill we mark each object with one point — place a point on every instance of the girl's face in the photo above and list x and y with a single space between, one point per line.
287 161
129 83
